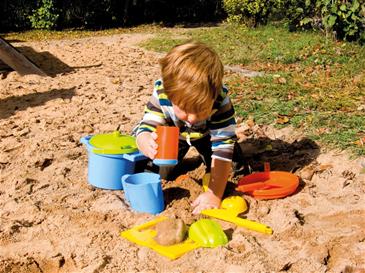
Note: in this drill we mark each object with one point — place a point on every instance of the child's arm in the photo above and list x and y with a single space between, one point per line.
218 180
219 176
222 130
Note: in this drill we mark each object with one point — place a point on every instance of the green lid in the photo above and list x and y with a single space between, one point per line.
113 143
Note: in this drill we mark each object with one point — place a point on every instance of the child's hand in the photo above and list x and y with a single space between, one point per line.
146 143
206 200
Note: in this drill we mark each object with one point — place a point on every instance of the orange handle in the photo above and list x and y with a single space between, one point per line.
251 187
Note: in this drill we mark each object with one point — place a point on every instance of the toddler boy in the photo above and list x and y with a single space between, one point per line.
191 96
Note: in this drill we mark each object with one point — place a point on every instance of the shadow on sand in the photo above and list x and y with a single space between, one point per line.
47 62
250 156
10 105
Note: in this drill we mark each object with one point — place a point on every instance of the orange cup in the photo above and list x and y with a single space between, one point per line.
168 145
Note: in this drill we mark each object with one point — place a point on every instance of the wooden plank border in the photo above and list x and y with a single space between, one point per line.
17 61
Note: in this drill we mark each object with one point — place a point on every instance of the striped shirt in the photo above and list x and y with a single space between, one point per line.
220 124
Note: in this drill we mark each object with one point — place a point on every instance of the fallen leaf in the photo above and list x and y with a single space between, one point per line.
282 80
241 133
250 122
282 119
360 142
357 79
361 108
307 85
322 130
291 96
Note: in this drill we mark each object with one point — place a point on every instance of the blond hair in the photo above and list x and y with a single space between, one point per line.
192 76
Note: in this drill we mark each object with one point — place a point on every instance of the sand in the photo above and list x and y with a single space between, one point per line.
53 220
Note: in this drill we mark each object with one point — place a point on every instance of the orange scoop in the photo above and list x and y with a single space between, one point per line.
269 185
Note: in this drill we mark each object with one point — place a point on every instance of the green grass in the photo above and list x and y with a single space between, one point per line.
324 82
316 83
43 35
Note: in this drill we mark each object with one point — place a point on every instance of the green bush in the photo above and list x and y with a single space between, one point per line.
345 18
45 16
249 12
301 14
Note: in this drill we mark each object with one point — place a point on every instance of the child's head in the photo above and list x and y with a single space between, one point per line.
192 75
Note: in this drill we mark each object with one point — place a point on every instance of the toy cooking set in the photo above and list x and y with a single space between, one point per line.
112 160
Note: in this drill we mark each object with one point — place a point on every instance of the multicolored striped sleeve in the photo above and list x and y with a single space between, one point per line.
153 114
222 126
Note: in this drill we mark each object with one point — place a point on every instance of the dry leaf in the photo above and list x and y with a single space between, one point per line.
322 130
291 96
250 122
258 132
282 119
357 79
361 107
241 133
360 142
282 80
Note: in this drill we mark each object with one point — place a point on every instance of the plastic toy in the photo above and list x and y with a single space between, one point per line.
143 191
202 233
114 143
207 233
110 157
230 208
143 235
168 145
268 185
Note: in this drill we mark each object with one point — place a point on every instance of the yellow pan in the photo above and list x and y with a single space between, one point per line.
143 235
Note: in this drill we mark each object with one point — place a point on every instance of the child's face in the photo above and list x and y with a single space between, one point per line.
192 118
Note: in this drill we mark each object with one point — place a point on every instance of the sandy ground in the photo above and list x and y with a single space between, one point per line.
52 220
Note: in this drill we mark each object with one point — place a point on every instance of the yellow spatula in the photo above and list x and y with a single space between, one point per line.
230 208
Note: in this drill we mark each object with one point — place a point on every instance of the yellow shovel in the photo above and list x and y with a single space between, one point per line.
230 208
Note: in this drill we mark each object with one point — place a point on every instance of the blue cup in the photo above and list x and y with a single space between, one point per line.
143 192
